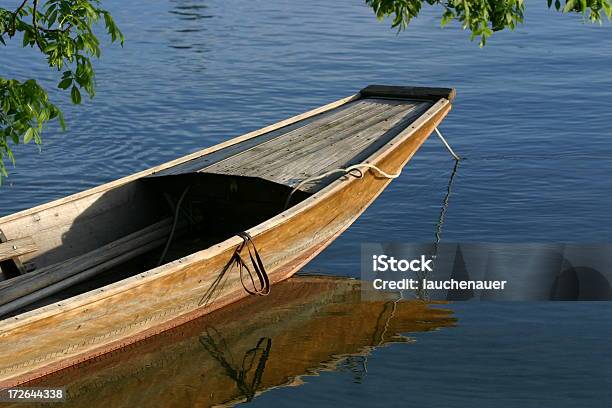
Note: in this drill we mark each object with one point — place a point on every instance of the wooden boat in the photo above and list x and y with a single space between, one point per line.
307 325
81 273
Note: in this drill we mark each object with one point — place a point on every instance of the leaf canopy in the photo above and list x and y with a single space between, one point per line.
483 17
62 30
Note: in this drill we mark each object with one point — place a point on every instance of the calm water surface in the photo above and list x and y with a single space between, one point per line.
532 119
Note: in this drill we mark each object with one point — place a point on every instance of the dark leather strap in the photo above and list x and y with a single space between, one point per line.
262 287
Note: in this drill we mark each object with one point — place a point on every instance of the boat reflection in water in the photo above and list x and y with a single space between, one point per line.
306 325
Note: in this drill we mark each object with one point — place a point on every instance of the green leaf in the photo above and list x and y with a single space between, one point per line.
65 83
43 116
37 138
75 94
60 116
50 47
52 18
29 134
26 38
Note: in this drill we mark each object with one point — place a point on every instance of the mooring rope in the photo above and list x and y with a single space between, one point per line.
349 170
450 150
358 168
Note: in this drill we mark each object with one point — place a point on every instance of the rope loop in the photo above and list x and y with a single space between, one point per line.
262 286
356 170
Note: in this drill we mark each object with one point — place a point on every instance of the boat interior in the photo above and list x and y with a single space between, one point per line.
61 250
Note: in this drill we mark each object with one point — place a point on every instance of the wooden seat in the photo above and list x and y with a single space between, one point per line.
30 287
11 250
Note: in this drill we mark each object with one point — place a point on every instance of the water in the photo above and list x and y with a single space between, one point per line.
531 118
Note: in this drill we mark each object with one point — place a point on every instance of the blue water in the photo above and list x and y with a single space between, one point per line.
532 119
499 355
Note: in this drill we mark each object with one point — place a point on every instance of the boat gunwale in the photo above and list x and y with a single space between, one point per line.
142 278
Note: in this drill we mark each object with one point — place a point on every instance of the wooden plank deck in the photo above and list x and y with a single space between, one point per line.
335 139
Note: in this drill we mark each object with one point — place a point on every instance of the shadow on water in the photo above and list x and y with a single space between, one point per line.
307 324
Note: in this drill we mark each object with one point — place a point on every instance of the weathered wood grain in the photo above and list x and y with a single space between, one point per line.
251 140
17 247
82 225
13 266
316 134
323 145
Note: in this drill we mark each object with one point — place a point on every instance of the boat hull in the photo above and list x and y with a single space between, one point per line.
98 322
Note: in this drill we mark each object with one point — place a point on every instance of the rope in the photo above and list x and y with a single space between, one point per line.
349 170
450 150
357 168
174 224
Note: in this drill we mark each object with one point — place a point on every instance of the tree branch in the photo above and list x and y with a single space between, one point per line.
15 14
56 30
35 25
